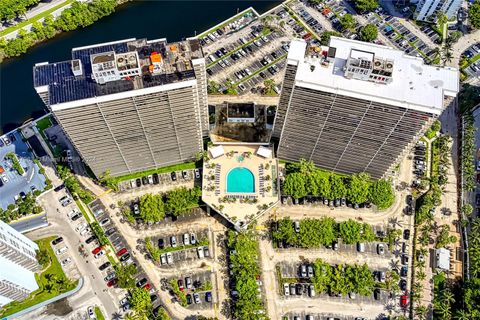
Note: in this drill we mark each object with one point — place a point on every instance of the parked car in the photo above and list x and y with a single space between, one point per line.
104 266
97 250
186 239
62 250
286 289
381 249
173 241
57 241
208 296
99 254
403 301
121 252
196 298
141 282
360 247
406 234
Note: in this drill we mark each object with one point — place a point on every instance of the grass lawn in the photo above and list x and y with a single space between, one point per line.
99 314
35 18
41 294
176 167
44 123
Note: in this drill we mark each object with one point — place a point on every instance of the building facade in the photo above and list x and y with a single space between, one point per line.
18 264
428 10
129 105
355 106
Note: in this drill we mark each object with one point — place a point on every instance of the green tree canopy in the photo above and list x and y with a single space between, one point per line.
337 187
347 21
151 207
325 37
125 274
369 32
474 14
182 200
381 194
140 301
295 185
366 5
358 188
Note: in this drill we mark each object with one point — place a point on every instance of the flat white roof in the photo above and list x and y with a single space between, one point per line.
414 86
217 151
443 258
264 152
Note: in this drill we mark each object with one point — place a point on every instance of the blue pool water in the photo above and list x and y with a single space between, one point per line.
240 180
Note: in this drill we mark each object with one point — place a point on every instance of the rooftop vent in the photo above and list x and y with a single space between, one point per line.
77 68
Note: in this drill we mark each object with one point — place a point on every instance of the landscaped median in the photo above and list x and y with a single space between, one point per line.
51 281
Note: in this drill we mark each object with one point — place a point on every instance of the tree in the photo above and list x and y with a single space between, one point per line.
325 37
42 257
295 185
347 21
269 85
474 14
368 33
182 200
467 209
125 275
337 187
381 194
151 208
358 188
140 301
366 5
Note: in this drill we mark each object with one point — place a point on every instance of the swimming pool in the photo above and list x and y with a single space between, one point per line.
240 180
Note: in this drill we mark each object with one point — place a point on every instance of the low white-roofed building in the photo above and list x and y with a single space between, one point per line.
217 151
264 152
442 259
356 106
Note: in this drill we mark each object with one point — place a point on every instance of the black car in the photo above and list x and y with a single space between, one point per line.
60 187
110 231
376 294
403 284
189 298
274 55
76 217
141 282
153 297
209 72
138 182
144 181
406 234
299 289
91 239
161 243
104 266
404 271
409 199
155 178
125 257
57 241
174 176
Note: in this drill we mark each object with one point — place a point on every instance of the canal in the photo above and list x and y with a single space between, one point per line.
138 19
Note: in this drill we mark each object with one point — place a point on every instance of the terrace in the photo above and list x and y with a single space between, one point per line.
240 182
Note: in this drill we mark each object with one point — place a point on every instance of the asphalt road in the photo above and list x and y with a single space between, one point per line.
30 224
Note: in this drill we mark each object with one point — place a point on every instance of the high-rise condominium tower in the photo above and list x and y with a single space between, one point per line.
17 265
129 105
356 106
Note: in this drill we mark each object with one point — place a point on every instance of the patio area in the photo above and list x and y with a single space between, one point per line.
240 181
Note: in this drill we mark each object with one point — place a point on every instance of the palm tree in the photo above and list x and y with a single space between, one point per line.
116 316
443 310
448 297
421 275
462 315
421 312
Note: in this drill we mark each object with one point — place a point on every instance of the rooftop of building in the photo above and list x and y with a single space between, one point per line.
115 67
411 83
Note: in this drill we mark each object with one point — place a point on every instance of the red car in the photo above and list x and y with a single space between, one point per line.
121 252
112 282
147 286
403 300
97 250
180 284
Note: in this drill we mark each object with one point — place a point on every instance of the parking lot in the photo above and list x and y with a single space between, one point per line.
161 179
11 182
198 282
305 315
473 70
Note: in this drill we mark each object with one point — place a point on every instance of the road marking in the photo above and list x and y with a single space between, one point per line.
105 193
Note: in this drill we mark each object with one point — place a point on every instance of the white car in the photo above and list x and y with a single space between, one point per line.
91 314
197 174
99 254
150 179
186 239
4 178
200 252
65 262
62 250
169 258
81 227
85 231
163 258
286 289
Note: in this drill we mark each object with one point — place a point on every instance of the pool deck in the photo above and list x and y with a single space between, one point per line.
240 208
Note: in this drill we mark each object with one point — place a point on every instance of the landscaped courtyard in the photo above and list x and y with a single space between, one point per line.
240 181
